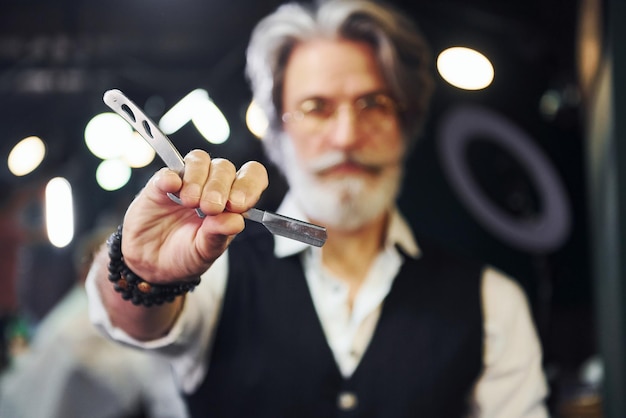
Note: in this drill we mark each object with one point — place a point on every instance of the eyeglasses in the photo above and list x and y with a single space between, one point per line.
375 111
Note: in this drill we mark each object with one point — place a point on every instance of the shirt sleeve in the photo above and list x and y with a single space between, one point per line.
187 344
513 384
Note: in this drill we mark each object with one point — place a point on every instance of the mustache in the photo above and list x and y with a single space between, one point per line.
333 159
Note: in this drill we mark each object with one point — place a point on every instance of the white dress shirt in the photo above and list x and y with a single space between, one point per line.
512 383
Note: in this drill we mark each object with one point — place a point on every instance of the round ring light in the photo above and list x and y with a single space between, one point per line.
543 233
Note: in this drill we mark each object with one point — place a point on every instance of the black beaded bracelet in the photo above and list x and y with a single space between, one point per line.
133 287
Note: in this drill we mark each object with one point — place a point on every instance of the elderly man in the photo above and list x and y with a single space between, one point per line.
373 324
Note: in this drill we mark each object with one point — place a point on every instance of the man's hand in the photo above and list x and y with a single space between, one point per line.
165 242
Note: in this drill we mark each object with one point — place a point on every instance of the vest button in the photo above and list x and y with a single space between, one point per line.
347 401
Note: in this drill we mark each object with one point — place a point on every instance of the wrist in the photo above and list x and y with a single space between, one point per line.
132 287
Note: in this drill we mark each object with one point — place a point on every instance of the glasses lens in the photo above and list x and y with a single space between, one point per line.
376 104
314 115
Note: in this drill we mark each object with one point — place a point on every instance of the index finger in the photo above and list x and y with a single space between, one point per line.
249 184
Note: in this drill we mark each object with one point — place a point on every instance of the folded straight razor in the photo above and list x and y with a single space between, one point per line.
277 224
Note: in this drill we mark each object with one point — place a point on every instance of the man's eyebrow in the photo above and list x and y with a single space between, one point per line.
318 96
376 91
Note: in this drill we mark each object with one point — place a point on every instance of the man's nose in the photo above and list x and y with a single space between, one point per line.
345 130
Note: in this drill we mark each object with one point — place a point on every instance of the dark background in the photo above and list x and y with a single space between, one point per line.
57 59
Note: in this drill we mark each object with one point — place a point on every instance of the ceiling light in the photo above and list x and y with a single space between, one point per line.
256 120
465 68
137 152
181 112
197 107
26 156
107 134
112 174
211 122
59 212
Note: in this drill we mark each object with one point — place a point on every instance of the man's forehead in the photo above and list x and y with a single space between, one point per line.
331 68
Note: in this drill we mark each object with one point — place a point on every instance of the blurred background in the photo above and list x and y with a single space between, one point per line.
501 173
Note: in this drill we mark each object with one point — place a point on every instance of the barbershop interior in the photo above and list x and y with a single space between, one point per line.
518 164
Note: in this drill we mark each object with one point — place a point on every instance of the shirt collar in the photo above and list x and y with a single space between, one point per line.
399 233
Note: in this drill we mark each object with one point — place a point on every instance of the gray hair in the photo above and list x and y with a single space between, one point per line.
401 52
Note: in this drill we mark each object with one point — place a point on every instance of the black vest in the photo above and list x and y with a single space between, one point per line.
270 358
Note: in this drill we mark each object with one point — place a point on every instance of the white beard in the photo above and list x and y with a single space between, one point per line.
345 203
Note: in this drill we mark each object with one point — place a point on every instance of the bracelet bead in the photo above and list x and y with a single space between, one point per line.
134 288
